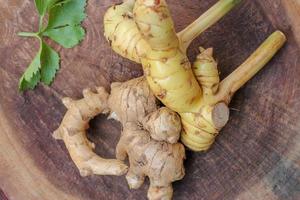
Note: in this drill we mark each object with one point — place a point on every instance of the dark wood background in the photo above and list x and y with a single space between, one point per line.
255 157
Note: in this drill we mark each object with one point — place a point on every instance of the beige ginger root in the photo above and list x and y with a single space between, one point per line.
149 136
73 132
143 31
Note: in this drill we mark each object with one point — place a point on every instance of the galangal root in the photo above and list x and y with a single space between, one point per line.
149 136
143 31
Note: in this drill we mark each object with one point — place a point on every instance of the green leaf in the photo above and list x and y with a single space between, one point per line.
64 23
43 67
59 2
50 64
65 17
25 85
44 5
67 36
31 76
69 13
41 6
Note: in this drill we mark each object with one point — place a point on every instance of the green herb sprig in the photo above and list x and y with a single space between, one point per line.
64 27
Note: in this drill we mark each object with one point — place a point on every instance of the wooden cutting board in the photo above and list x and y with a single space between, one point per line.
255 157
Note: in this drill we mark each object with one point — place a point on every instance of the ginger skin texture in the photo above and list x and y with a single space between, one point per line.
143 31
73 132
149 137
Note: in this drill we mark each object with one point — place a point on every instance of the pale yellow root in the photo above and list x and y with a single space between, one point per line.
196 93
126 39
200 129
73 132
206 72
122 33
203 100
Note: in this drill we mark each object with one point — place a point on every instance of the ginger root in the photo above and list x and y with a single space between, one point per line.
143 31
149 136
73 132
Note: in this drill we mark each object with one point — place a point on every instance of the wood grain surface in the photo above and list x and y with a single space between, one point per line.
255 157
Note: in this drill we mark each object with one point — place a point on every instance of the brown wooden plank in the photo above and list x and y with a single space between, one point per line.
256 155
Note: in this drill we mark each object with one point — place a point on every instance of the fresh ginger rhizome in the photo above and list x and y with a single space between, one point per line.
143 31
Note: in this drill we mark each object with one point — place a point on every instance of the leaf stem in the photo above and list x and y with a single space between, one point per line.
206 20
41 23
28 34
